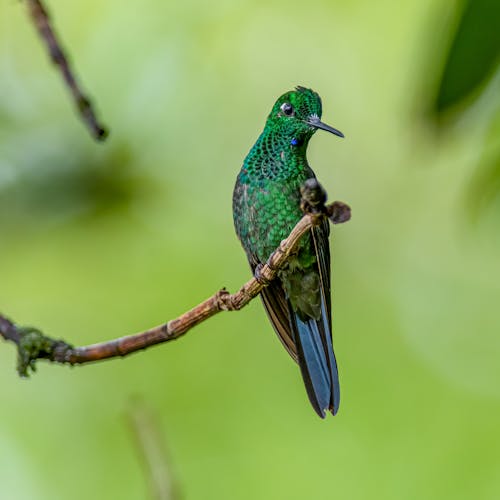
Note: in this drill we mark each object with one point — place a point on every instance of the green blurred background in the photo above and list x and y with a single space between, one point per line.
100 240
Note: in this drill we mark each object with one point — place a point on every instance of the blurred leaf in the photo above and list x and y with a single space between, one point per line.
64 187
485 184
474 53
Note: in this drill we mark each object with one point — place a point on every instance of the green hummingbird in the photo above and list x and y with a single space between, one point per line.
266 207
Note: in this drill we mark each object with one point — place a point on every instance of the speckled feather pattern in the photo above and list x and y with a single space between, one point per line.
266 199
267 205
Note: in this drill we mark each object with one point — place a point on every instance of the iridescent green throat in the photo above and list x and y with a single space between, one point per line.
276 156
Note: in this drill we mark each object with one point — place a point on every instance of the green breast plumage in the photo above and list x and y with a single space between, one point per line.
266 199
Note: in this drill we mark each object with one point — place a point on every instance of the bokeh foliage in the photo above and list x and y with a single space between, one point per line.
470 73
99 240
474 53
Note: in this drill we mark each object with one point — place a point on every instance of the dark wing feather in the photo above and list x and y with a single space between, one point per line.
320 238
309 342
322 248
276 306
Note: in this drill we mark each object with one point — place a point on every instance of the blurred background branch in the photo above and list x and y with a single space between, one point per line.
152 450
41 20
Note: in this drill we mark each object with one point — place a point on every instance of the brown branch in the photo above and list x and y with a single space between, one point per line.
33 345
41 20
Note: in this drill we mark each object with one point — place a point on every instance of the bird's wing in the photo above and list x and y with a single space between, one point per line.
320 238
308 341
275 301
313 336
276 306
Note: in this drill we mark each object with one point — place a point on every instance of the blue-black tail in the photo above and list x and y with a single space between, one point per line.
317 361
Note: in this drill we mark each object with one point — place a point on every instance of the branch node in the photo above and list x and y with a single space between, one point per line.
260 277
278 254
223 300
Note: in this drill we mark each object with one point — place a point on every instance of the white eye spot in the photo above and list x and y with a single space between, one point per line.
287 109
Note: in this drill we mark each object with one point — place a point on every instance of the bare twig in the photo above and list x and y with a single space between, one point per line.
33 345
41 21
153 453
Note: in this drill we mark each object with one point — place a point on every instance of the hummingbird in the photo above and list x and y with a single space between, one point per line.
266 207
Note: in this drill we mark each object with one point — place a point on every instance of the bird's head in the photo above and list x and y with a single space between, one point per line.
297 114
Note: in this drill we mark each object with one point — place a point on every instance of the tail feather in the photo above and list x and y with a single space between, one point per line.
335 400
317 361
313 364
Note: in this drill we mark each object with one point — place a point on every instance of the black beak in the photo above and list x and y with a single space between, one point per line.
315 122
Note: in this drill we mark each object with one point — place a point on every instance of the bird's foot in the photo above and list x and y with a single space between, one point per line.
313 196
313 199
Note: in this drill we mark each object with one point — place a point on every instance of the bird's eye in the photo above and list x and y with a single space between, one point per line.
287 109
